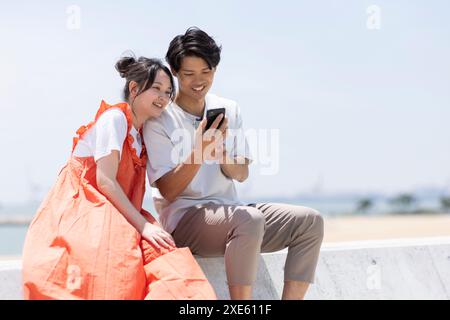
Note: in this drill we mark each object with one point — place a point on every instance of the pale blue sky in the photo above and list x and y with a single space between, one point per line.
358 109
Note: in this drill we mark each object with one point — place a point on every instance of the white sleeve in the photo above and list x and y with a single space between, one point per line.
110 133
240 145
159 149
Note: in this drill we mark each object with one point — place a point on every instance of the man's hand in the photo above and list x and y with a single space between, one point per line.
176 181
235 168
209 145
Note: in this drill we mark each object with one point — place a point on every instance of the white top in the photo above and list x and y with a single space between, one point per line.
107 134
165 137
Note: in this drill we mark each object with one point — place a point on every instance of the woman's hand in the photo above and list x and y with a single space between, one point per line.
157 236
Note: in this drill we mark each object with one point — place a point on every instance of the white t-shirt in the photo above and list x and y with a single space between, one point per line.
162 138
107 134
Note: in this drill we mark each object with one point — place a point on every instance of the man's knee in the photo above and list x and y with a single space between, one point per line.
317 226
309 219
250 221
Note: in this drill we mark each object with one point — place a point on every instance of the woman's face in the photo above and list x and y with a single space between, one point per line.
151 103
195 78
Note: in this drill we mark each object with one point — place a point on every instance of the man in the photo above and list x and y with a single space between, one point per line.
198 203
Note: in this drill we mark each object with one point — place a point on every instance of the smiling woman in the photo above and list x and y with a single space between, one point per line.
145 74
91 238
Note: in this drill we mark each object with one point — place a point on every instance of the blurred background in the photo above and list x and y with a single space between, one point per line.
358 91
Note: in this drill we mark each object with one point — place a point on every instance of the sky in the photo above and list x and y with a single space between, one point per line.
358 108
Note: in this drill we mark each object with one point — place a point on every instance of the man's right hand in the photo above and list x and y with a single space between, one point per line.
176 181
209 145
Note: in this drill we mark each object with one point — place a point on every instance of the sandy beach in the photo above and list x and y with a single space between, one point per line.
354 228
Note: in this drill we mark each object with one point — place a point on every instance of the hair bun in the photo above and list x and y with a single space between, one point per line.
124 64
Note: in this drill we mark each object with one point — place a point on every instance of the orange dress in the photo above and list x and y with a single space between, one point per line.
79 246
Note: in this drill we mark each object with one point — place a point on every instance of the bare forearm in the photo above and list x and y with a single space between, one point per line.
173 183
235 168
115 194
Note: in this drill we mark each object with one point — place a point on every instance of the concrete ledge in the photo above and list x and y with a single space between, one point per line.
10 280
387 269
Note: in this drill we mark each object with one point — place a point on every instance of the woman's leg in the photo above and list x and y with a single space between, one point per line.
235 232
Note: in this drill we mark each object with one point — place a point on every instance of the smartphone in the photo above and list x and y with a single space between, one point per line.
212 114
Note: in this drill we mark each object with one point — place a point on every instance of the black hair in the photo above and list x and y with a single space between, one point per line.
194 42
143 71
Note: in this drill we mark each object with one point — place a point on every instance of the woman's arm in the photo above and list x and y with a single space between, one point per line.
107 184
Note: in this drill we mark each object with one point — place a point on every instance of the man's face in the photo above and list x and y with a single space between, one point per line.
195 78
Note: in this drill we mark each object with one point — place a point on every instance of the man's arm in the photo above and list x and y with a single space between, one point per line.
235 168
175 181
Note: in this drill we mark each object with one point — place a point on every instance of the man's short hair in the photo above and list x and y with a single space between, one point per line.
194 42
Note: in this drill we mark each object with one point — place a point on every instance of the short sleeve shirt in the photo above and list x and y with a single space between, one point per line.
108 133
169 139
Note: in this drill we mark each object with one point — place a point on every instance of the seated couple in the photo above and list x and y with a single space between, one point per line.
91 238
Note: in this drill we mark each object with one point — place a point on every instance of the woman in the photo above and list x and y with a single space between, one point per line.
90 238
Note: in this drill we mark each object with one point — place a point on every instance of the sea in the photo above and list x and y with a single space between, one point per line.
14 219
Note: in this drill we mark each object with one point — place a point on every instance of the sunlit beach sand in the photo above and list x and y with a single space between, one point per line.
353 228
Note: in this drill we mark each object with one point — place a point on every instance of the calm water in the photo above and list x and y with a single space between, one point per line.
11 239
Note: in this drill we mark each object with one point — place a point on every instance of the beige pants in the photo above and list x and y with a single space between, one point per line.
240 233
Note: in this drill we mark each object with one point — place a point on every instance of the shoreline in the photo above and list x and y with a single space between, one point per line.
379 227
